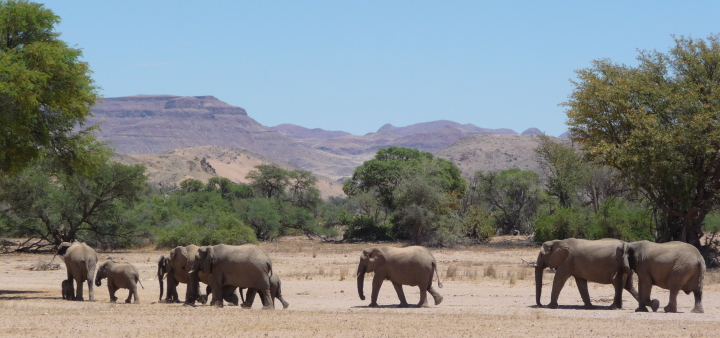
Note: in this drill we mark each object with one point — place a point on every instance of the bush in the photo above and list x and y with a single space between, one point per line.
224 229
363 228
616 219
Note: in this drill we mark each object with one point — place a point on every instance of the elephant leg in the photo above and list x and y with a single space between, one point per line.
376 284
645 288
267 300
436 296
423 296
583 288
128 300
698 301
91 290
618 284
672 304
111 290
134 290
561 276
79 291
250 298
401 294
217 298
282 300
229 295
70 288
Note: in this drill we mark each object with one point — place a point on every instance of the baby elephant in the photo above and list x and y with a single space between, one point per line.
119 275
67 291
275 292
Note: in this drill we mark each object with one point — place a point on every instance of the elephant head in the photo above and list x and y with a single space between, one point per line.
102 272
163 267
552 254
203 264
370 261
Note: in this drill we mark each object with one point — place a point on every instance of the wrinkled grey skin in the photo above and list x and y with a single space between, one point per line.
675 266
413 266
243 266
119 276
597 261
67 292
80 261
275 292
175 268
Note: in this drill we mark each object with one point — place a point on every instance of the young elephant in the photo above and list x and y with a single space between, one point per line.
119 276
275 292
67 291
598 261
413 266
673 266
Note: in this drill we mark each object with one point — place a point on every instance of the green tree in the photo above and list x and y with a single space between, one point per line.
62 207
657 124
45 90
563 168
269 180
513 195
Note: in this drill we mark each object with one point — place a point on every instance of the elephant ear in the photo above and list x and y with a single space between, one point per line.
624 255
376 259
207 263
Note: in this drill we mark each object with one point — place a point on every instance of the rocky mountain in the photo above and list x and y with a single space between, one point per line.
181 137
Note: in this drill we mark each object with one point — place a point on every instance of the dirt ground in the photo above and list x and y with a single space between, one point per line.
488 291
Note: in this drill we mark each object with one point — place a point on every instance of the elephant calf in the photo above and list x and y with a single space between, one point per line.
67 291
275 292
412 266
119 276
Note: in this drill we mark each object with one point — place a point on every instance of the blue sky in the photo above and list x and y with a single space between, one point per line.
356 65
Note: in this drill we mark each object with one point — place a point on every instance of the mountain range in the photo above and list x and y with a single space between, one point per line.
173 136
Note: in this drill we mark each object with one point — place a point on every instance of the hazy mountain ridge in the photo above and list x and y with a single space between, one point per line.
173 134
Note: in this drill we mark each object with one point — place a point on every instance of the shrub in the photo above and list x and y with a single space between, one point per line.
363 228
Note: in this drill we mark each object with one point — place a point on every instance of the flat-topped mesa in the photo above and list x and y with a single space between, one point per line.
155 105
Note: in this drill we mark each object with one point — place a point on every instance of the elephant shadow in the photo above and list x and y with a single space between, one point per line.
576 307
392 306
18 294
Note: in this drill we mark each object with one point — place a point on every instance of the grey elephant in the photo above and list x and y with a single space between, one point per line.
275 292
67 292
675 266
597 261
119 276
175 267
80 261
413 266
243 266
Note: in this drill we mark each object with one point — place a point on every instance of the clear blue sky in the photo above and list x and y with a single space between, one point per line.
356 65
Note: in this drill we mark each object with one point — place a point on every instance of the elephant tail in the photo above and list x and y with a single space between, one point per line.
138 280
269 269
440 285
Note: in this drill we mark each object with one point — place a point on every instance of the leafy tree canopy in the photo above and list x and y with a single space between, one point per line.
45 90
657 124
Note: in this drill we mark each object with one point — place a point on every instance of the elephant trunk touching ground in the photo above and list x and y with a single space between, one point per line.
162 267
361 280
539 268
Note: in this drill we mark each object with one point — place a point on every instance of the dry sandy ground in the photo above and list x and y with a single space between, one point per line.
488 291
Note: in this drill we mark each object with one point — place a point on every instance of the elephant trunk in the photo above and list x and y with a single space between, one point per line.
539 269
98 279
160 276
361 280
193 288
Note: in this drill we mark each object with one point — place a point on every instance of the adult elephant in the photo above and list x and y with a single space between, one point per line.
80 262
174 267
597 261
413 266
228 266
674 266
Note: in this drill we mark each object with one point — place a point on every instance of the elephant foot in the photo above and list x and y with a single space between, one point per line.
404 305
552 306
268 307
423 305
641 309
698 309
136 302
589 307
127 301
438 300
245 306
615 306
285 305
670 309
655 304
373 305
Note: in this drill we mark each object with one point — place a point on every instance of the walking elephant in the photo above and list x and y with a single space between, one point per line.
413 266
243 266
119 276
275 292
80 261
175 267
597 261
674 266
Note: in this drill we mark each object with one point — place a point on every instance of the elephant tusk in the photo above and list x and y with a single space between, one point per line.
191 272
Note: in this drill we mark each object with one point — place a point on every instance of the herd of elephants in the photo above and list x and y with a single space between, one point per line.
675 266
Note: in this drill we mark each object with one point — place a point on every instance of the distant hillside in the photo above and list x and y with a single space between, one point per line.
434 125
202 163
302 132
